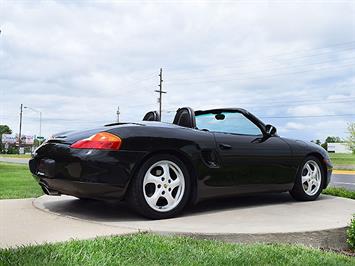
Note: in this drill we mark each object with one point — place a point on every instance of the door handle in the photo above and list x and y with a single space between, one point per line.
224 146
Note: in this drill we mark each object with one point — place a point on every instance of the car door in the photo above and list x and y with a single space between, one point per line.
250 160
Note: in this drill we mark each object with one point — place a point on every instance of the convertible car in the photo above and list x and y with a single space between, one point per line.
161 167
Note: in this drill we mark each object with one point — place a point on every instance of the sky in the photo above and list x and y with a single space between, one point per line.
292 64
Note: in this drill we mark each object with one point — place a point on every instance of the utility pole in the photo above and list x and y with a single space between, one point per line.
160 91
118 114
19 135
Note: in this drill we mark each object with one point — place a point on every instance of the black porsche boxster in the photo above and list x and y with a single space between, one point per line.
160 167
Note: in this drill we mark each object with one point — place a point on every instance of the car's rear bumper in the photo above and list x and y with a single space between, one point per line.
79 189
60 169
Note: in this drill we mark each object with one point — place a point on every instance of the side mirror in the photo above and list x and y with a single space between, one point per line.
270 130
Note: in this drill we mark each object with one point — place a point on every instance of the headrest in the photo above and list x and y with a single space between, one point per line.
185 117
151 116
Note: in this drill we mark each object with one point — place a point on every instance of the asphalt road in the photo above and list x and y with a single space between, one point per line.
347 181
338 180
14 160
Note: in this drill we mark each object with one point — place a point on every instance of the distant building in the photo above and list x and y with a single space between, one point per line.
338 148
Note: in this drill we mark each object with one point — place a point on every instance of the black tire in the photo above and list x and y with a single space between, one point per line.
298 191
136 196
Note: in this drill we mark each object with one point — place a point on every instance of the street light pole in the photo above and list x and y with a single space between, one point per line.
40 124
19 134
40 118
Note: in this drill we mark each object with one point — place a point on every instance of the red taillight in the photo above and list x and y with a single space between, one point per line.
99 141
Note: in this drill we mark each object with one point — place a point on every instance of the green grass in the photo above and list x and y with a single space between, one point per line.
339 192
16 182
148 249
15 155
342 158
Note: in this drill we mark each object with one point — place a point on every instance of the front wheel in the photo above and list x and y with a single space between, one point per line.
161 188
309 181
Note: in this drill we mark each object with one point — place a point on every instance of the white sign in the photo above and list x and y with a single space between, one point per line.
28 140
338 148
9 138
12 139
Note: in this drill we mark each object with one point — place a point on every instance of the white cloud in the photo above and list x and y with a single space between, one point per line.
293 125
308 110
78 61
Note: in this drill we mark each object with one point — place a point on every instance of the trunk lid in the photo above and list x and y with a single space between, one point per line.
70 137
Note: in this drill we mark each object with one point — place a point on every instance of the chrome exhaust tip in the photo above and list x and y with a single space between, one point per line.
49 191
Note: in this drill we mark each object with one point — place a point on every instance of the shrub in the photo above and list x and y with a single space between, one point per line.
351 233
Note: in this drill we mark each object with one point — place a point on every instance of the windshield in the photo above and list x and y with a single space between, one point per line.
227 122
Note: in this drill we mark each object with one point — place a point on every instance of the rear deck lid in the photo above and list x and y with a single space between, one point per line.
70 137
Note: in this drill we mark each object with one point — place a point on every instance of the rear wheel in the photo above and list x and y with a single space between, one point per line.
161 187
309 180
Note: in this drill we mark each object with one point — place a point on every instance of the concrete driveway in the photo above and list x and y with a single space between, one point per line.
263 218
22 224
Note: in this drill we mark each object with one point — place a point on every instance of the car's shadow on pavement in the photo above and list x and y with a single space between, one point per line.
113 211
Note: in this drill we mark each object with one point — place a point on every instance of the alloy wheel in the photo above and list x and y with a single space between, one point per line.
311 178
163 186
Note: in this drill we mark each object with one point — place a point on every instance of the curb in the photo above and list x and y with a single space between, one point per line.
344 172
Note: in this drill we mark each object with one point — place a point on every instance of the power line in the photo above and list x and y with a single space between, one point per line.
286 103
266 64
266 102
288 67
277 56
299 103
264 77
306 116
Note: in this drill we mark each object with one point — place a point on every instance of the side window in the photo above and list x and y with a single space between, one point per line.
228 122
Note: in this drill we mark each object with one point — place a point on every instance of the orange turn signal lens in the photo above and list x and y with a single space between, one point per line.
99 141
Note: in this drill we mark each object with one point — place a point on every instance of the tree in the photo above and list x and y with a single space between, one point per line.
5 129
317 141
350 141
333 140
